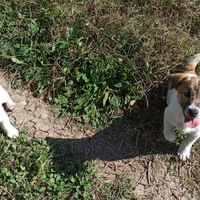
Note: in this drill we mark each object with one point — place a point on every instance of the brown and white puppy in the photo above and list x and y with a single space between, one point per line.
183 110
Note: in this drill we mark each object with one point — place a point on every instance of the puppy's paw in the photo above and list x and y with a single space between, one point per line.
170 137
10 104
13 134
183 153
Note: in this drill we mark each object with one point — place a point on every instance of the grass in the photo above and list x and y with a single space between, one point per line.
36 170
117 190
90 58
62 71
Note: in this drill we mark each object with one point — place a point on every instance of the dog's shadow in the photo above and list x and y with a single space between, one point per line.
141 133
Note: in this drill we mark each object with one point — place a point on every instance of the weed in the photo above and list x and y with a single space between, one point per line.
179 137
118 190
99 85
97 88
34 169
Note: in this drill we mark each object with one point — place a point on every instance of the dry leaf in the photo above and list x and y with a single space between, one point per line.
132 102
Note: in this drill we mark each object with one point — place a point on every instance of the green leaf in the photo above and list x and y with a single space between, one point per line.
76 71
42 189
22 168
84 77
52 180
24 50
33 27
53 47
77 107
127 99
12 181
83 99
115 101
86 118
4 170
78 75
97 114
74 32
118 85
94 123
15 60
27 196
105 98
90 109
73 180
62 100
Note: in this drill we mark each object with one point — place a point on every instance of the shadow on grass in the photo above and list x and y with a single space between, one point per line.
136 134
140 133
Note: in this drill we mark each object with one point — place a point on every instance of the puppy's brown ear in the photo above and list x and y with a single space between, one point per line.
176 79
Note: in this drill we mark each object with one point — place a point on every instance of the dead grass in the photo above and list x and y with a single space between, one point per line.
158 33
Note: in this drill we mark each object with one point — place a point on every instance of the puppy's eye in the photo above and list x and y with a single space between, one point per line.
187 94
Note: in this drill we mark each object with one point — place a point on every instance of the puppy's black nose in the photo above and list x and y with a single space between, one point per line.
193 112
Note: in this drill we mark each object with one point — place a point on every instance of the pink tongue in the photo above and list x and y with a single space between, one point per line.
191 122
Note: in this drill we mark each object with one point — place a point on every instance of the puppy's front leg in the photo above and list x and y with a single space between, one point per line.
10 104
169 133
8 128
185 147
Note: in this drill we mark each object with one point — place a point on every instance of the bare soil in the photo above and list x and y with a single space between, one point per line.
132 146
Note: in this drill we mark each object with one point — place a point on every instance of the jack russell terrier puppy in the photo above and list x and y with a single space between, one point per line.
8 128
183 110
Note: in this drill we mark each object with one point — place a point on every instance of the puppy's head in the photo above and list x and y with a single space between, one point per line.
188 89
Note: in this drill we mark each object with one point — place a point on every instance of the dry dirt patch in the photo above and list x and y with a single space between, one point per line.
122 148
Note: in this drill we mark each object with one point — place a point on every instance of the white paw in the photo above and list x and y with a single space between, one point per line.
13 134
10 104
183 155
170 137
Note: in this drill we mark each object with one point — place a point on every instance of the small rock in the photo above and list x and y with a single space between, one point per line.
75 129
42 127
37 113
23 103
44 116
61 121
139 190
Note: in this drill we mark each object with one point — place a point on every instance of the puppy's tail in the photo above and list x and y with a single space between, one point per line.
192 63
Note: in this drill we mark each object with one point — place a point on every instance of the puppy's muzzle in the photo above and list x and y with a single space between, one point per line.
192 113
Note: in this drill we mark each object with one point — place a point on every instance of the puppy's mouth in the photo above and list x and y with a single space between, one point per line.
191 122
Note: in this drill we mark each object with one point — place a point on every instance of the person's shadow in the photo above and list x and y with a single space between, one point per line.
135 134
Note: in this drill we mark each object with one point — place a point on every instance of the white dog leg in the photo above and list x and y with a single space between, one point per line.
4 95
8 128
6 99
185 147
10 104
169 133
